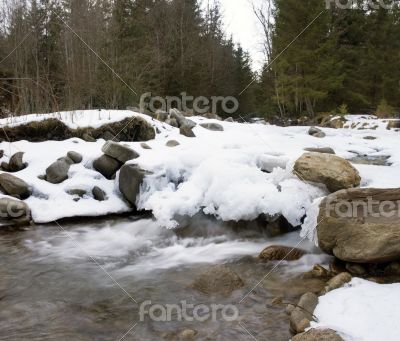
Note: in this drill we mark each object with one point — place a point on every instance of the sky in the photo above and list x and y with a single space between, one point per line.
240 21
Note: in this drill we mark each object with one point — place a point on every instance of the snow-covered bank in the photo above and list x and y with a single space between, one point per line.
361 311
234 174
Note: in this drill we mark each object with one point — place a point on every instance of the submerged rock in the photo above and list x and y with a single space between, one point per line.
16 163
57 172
332 171
107 166
278 252
118 151
318 335
218 279
130 180
361 225
14 186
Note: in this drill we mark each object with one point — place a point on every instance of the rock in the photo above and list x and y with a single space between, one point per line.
4 166
75 157
187 131
212 126
277 252
393 124
337 282
108 136
278 227
332 171
229 119
392 269
88 138
118 151
1 153
172 143
16 164
130 179
361 225
107 166
218 279
176 114
325 150
172 122
57 172
99 194
187 334
318 335
161 115
316 132
14 186
356 269
14 210
318 271
302 315
77 191
145 145
369 138
66 159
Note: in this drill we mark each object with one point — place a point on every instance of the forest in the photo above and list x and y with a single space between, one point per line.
83 54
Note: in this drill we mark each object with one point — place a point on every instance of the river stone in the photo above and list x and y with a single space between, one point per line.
145 146
75 157
324 150
355 227
16 164
88 138
118 151
318 335
57 172
172 143
316 132
212 126
15 210
332 171
172 122
337 282
4 166
218 279
107 166
130 180
302 315
77 191
278 252
187 131
99 194
229 119
14 186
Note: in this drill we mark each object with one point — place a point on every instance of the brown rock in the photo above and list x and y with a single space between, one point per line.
318 335
337 282
278 252
302 315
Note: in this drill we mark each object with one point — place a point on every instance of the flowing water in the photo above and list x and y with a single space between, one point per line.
86 281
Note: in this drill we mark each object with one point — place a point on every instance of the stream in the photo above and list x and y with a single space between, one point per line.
80 280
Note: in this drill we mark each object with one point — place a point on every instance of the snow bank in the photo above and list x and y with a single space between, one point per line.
361 311
236 174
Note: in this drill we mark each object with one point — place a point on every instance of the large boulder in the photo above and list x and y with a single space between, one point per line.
16 163
14 186
278 252
107 166
57 172
218 279
334 172
318 335
361 225
14 211
118 151
130 180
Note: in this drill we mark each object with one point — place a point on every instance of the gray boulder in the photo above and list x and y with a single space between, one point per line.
212 126
316 132
14 211
16 164
99 194
332 171
75 157
118 151
130 179
14 186
172 143
187 131
107 166
324 150
57 172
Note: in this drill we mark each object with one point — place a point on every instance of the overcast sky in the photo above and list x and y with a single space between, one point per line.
241 22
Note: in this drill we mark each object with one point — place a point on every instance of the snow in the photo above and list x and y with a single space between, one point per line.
237 174
361 311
